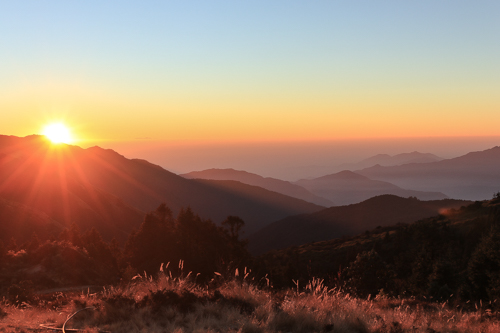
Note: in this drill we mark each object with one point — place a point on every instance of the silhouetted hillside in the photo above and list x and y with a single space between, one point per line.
474 176
268 183
41 182
145 185
334 222
19 221
454 257
347 187
100 188
271 203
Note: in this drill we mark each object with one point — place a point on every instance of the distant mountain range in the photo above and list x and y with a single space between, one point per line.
343 188
474 176
95 187
315 171
271 184
334 222
46 187
347 187
388 160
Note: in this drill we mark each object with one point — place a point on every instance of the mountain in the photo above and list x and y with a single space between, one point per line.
41 189
314 171
271 184
347 187
334 222
388 160
245 193
463 243
100 188
474 176
19 221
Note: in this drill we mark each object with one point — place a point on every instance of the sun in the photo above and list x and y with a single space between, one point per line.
57 133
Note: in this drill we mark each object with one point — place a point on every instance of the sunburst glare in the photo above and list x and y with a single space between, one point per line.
57 133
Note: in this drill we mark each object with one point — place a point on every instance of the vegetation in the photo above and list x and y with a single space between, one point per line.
435 275
166 304
202 245
452 257
77 259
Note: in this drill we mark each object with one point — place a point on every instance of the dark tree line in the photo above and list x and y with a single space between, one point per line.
74 258
432 259
203 246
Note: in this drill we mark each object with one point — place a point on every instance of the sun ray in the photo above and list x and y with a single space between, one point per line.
126 177
57 133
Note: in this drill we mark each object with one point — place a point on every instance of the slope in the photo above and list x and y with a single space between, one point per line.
474 176
388 160
99 187
39 182
347 187
271 184
334 222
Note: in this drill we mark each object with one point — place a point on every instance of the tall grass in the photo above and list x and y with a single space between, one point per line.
163 303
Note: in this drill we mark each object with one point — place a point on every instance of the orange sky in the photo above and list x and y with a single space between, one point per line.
212 118
293 71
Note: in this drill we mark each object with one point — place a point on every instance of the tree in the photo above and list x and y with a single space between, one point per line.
203 246
368 273
234 224
484 267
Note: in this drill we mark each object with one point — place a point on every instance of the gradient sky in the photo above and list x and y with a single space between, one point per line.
250 70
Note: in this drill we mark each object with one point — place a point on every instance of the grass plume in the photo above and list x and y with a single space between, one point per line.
162 303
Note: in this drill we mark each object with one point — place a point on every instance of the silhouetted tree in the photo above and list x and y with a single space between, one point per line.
234 224
484 267
368 274
203 246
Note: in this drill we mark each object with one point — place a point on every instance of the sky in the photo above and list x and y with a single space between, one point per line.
167 73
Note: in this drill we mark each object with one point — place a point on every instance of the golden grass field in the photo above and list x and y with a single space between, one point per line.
166 304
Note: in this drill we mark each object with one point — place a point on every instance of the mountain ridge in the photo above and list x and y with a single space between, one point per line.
473 176
72 184
272 184
348 187
349 220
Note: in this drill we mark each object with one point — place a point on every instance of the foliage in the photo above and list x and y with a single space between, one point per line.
483 270
204 246
162 303
453 257
368 274
450 258
21 293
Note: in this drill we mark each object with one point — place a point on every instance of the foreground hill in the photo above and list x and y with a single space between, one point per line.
43 189
334 222
347 187
166 304
453 257
271 184
99 188
474 176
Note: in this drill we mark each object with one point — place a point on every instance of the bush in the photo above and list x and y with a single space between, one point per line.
23 292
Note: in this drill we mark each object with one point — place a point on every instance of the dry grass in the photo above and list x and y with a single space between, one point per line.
166 304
